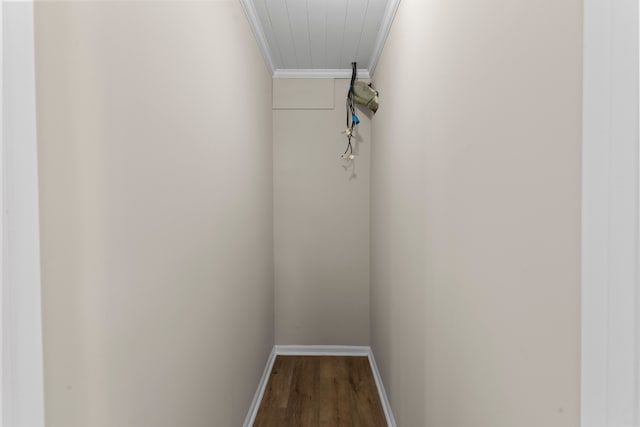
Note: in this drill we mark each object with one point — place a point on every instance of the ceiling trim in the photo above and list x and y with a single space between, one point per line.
254 23
385 28
363 73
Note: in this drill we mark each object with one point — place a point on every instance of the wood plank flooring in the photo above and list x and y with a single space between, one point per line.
311 391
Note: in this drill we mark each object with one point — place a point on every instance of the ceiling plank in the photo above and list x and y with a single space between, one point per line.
356 10
299 23
317 16
278 15
269 35
320 38
336 13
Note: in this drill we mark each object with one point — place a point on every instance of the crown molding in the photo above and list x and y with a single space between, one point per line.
256 28
385 28
363 73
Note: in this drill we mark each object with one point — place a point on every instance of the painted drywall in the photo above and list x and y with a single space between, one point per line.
475 213
154 137
321 220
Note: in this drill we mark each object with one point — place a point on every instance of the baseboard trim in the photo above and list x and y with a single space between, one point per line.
384 400
262 385
319 350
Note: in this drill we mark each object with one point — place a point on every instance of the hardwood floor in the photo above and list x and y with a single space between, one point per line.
310 391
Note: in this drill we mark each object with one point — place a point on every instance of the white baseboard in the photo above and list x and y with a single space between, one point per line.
262 386
384 400
319 350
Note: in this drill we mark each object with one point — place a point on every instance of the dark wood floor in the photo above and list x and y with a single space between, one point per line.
310 391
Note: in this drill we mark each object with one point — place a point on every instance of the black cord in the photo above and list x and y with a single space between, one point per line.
350 109
354 73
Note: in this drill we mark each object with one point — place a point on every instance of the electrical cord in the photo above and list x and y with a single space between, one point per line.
352 118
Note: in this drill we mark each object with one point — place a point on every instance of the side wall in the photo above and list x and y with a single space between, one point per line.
154 126
475 213
321 206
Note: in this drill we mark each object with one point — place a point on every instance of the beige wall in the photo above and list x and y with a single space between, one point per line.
321 226
475 212
154 125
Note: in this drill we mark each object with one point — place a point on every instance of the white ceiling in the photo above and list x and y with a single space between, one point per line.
320 38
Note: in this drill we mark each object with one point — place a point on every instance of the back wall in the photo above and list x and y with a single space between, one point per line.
321 206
